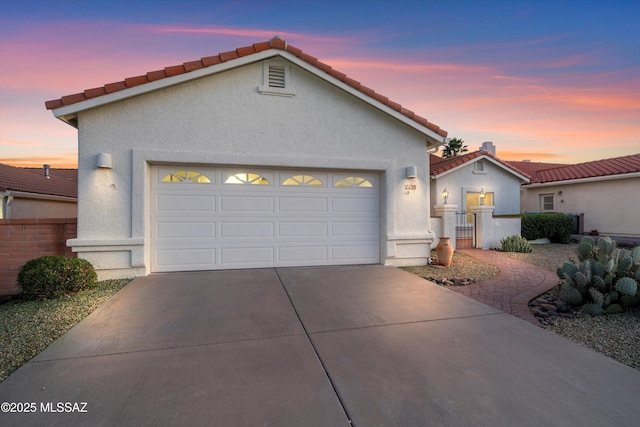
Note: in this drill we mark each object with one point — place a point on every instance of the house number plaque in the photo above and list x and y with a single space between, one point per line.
410 187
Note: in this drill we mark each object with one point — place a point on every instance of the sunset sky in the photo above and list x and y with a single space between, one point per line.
553 81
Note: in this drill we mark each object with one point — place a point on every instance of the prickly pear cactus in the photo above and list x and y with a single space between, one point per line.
605 280
627 286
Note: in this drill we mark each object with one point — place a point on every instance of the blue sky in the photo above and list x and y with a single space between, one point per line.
544 80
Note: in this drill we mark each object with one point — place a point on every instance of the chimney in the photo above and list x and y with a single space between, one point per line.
488 147
47 170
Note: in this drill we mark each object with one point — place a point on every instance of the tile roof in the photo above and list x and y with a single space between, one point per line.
275 43
70 174
598 168
18 179
439 165
530 168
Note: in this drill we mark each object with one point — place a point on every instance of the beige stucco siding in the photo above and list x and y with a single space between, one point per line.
611 206
38 208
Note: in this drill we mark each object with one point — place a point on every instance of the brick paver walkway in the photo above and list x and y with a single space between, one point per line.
511 290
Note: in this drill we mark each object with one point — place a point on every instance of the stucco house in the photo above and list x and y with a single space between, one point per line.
37 193
606 191
258 157
469 178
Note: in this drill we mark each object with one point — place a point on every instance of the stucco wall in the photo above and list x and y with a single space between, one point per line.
223 119
34 208
609 206
504 185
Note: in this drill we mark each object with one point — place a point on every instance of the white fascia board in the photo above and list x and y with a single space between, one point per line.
583 180
69 112
483 157
25 195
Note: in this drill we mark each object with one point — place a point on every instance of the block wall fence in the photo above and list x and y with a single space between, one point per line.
24 239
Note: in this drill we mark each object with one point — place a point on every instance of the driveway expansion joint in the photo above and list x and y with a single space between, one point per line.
315 350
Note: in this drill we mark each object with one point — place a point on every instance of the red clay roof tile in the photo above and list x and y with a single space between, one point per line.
193 65
156 75
228 56
208 61
598 168
115 87
95 92
174 70
259 47
135 81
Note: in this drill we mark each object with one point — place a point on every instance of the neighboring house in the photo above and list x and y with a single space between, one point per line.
36 193
476 178
606 191
258 157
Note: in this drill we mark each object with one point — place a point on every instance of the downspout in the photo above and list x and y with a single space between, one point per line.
7 198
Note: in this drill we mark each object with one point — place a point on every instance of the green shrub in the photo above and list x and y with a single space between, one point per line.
55 276
556 227
515 243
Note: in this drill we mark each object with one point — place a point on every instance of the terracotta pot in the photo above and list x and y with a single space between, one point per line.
444 251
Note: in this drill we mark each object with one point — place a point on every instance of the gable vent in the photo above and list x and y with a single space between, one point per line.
277 76
276 79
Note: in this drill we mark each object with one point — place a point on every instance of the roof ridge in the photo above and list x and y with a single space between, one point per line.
205 62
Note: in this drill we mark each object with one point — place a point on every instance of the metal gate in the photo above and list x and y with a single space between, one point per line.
465 230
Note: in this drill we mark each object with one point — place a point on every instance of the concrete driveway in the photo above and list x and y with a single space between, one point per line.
314 347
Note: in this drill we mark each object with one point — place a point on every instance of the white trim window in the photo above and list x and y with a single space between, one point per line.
547 202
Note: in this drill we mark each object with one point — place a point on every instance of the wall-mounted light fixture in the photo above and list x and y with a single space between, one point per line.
482 195
445 195
412 172
103 161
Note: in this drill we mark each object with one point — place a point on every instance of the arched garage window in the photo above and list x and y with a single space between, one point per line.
247 178
186 176
354 181
303 180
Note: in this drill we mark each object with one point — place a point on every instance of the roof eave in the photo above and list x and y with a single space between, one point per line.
69 113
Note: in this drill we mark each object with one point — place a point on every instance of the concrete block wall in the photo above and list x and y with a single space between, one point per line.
24 239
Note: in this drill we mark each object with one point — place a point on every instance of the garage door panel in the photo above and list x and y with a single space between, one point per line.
246 229
179 257
250 204
185 229
340 204
303 204
354 252
304 254
247 256
288 229
354 228
168 203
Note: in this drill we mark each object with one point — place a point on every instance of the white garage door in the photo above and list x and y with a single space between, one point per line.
205 218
